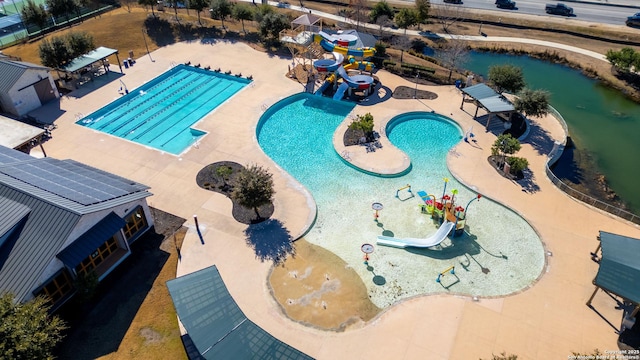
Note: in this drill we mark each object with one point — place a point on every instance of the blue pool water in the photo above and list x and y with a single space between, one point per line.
499 255
161 112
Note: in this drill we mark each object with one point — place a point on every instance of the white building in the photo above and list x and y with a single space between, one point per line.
24 87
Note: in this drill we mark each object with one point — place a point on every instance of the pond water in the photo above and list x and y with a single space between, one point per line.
602 123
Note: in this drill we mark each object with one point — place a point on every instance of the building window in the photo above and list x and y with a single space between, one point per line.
97 257
59 287
135 223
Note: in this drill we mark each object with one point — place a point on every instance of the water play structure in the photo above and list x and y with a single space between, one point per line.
342 82
430 241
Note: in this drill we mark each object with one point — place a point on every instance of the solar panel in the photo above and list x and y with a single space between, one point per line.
72 180
8 156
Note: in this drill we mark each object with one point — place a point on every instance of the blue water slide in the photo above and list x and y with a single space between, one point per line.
322 88
340 92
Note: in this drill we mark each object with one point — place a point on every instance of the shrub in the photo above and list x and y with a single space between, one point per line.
517 164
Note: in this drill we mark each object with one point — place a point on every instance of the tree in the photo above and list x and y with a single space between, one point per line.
261 12
505 145
406 18
359 12
383 21
364 123
59 8
403 43
79 43
150 3
624 60
254 188
517 164
532 102
224 172
448 14
381 8
54 53
220 9
198 6
453 54
507 78
422 8
272 24
35 14
174 4
242 12
26 329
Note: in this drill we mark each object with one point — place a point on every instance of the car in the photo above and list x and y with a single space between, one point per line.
506 4
633 20
453 1
558 9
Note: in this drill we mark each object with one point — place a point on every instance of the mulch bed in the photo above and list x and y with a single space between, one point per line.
405 92
208 179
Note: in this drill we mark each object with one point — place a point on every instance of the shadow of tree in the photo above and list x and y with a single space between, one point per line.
539 139
270 240
160 31
528 183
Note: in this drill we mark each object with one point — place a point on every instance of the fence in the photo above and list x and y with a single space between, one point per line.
22 33
555 154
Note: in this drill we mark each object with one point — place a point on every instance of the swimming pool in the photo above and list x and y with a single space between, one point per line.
161 112
501 253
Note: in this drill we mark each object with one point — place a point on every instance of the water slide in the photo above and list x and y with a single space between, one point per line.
324 65
432 240
361 82
339 43
340 92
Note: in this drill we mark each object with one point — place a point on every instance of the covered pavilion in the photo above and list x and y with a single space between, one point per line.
17 135
215 325
85 63
487 98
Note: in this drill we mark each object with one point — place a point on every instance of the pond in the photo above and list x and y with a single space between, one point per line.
603 124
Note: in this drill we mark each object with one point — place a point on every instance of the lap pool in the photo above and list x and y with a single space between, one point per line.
499 253
161 112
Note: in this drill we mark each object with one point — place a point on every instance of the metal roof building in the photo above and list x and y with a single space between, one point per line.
54 214
215 324
488 99
24 86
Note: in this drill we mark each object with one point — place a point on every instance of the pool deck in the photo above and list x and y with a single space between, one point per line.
547 321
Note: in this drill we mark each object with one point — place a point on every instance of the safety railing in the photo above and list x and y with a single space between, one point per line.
555 154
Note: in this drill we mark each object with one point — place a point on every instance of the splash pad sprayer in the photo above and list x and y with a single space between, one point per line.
376 206
470 201
450 269
367 249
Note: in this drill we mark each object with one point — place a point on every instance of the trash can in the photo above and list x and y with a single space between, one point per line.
126 63
458 84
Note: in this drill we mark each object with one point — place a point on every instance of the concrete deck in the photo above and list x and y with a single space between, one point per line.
547 321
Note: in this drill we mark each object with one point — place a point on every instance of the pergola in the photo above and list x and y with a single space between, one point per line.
88 59
619 271
485 97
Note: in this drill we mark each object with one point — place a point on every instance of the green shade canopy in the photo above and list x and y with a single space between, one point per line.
488 98
619 270
89 58
216 325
